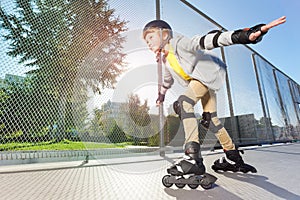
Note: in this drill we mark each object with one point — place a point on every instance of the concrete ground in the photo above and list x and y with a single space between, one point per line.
140 177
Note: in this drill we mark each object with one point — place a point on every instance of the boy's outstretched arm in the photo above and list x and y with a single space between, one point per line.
265 28
252 35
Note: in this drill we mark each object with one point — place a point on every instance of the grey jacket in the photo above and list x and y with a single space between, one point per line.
199 63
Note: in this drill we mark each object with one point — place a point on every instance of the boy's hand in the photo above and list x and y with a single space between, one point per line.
160 99
265 28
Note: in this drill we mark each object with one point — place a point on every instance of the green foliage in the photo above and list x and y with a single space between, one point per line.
138 112
154 140
56 37
123 122
62 145
116 135
3 99
171 126
24 109
105 127
96 124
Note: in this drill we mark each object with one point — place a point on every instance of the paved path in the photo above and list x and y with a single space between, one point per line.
140 178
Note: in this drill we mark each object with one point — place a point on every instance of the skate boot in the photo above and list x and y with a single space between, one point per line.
192 165
233 162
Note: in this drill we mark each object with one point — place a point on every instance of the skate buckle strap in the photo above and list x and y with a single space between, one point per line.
223 160
186 158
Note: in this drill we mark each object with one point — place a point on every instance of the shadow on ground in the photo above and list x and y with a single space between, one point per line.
262 182
214 193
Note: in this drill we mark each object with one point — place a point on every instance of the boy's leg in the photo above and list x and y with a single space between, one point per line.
184 107
211 121
195 91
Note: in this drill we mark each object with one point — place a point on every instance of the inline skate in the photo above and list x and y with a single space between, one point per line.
192 166
232 162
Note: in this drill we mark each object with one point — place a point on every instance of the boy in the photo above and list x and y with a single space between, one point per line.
202 74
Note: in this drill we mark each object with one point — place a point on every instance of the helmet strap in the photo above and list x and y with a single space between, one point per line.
162 41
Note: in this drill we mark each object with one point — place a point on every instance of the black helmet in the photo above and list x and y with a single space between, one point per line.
158 24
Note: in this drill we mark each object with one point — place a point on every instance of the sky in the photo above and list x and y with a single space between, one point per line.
280 46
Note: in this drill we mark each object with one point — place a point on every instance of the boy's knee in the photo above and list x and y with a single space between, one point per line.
211 121
181 106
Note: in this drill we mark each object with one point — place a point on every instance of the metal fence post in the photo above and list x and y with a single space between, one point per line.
161 106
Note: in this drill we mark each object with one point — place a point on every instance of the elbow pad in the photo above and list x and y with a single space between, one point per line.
168 83
242 36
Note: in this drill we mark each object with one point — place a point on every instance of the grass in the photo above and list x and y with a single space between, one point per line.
63 145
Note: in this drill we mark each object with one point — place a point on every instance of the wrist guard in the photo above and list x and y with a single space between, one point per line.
242 36
161 97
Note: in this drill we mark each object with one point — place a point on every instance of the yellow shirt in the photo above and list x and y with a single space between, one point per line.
175 65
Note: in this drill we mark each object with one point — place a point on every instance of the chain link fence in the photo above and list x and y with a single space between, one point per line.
77 80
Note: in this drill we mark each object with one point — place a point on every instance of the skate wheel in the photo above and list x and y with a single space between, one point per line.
180 185
206 186
165 181
193 186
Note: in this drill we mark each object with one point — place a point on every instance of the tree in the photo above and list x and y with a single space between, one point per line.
57 38
21 119
138 112
105 127
140 119
96 124
3 99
